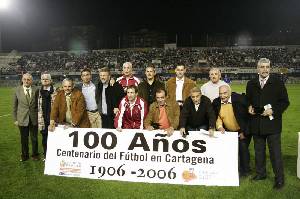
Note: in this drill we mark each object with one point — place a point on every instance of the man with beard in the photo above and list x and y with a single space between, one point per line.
108 98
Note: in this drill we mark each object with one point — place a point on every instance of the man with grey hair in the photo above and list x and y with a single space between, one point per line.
268 99
25 116
231 111
46 95
127 79
108 98
197 113
211 88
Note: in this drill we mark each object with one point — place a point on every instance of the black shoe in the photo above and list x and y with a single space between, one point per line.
35 158
244 174
23 159
258 177
278 185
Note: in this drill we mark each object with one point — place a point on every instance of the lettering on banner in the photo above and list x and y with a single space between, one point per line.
139 157
198 144
108 141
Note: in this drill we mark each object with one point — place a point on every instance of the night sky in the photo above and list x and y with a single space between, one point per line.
29 21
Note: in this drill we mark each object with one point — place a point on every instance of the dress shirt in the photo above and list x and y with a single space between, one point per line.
103 100
25 91
179 88
262 81
197 106
89 95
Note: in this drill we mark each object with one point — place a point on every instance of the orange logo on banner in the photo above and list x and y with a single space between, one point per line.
188 175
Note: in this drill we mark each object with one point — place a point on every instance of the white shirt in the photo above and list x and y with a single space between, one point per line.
25 91
197 106
104 104
228 102
179 88
89 95
211 90
264 80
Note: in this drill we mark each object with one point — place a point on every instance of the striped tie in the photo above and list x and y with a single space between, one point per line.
28 95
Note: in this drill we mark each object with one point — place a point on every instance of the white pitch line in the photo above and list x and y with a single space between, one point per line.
5 115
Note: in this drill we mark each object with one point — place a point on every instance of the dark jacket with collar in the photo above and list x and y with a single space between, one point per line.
114 95
205 115
240 110
273 93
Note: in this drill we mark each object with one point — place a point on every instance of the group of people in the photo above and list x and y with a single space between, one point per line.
178 104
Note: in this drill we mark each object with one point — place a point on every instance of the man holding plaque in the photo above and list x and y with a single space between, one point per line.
268 99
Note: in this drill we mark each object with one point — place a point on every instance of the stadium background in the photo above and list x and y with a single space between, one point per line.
53 36
26 180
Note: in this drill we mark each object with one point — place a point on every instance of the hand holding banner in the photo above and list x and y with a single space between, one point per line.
143 156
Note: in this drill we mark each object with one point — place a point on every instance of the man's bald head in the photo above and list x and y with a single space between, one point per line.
214 75
224 93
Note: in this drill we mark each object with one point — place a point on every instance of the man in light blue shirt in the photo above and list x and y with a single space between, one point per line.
88 89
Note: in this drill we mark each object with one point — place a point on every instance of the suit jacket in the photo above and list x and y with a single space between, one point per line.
273 93
113 94
205 115
172 110
22 110
240 110
78 109
171 88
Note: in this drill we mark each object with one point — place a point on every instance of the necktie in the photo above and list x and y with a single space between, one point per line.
28 95
262 83
68 112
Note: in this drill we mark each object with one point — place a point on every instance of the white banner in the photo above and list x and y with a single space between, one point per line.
144 156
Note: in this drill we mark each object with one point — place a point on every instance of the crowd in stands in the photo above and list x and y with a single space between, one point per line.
166 59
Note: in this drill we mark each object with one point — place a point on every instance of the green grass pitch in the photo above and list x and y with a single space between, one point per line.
26 180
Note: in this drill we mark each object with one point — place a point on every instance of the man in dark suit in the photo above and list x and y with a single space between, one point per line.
108 97
232 115
197 113
25 113
268 99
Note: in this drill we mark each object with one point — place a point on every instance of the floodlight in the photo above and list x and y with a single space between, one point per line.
4 4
